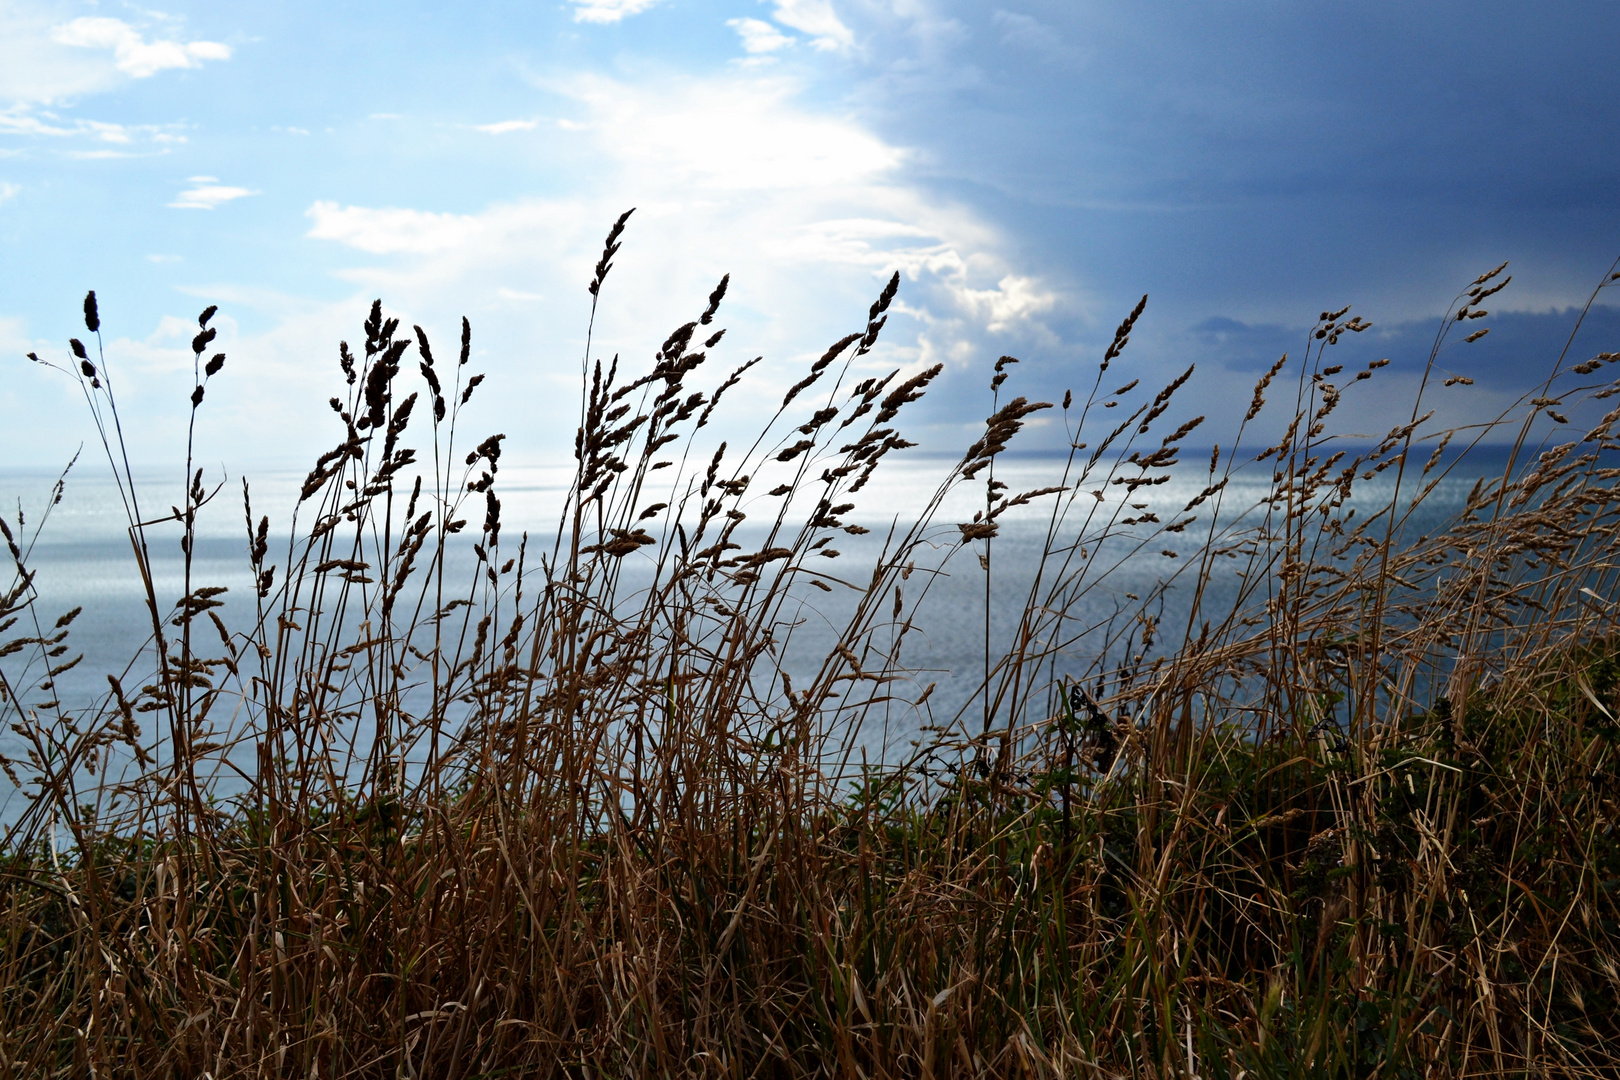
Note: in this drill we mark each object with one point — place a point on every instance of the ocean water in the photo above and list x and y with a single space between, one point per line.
81 556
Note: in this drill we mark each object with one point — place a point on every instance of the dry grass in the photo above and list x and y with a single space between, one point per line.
596 832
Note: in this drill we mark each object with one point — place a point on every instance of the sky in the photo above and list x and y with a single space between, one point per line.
1030 169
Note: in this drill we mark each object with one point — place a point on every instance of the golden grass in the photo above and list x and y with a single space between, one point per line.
631 847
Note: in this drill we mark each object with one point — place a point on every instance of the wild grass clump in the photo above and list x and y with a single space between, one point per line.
559 807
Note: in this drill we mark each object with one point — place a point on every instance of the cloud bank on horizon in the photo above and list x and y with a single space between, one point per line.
1029 169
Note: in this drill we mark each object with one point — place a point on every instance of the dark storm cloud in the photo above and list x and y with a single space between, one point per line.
1513 360
1258 159
1196 102
1518 353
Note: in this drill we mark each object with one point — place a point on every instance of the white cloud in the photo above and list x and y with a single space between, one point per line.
36 69
208 195
808 209
729 134
817 19
389 230
8 191
132 54
25 120
45 61
21 121
759 37
18 121
504 126
609 11
1014 299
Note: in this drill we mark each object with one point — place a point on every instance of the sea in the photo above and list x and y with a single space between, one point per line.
78 549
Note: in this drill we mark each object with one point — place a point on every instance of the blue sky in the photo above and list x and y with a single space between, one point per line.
1030 169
